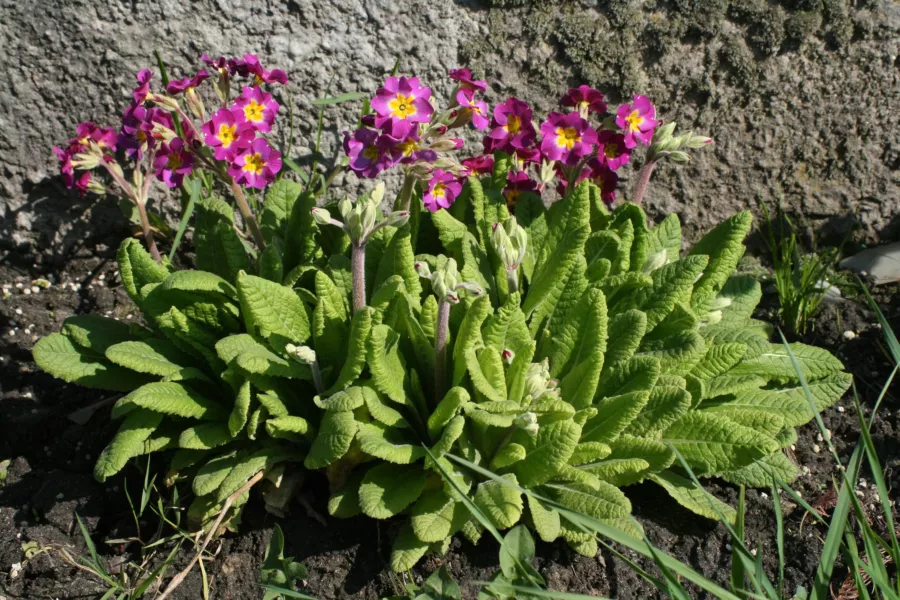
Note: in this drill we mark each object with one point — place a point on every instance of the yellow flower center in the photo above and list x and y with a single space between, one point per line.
513 124
567 137
254 163
254 111
512 196
174 161
227 134
371 153
611 150
439 190
634 120
402 106
408 147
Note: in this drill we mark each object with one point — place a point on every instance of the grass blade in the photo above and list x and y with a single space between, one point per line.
340 99
737 566
285 592
186 217
89 543
779 533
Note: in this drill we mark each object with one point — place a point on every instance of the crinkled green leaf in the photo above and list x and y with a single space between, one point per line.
407 550
250 465
280 199
57 355
508 455
97 333
388 444
289 427
632 459
775 363
666 404
153 356
355 359
219 247
436 515
468 336
211 475
711 444
678 354
695 499
638 373
336 433
588 452
385 363
238 417
725 246
719 359
137 268
760 472
344 503
544 518
272 310
446 409
387 489
626 330
205 436
551 448
170 398
128 442
500 503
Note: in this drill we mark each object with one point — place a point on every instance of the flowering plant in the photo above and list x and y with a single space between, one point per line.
572 349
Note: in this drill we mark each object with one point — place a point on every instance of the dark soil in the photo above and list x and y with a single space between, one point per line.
49 477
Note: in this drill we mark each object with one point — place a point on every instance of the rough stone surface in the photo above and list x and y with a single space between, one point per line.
801 96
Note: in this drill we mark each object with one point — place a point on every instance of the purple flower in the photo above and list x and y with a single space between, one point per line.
567 138
477 110
516 183
411 150
256 108
256 166
104 137
511 126
400 104
479 165
611 149
140 92
81 184
637 121
584 99
214 63
250 66
173 162
66 170
443 188
370 152
227 134
182 85
464 77
605 178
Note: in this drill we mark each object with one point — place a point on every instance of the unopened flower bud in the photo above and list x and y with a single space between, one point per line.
712 317
162 133
507 355
510 241
548 172
377 194
86 160
96 186
344 207
528 423
537 379
303 354
170 104
655 261
470 288
223 86
195 103
397 219
720 303
322 216
423 270
679 157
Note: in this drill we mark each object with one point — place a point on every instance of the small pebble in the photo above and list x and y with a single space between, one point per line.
18 311
819 438
764 495
27 291
60 496
816 448
12 332
840 409
35 289
849 335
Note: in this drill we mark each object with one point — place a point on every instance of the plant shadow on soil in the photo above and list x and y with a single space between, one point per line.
50 475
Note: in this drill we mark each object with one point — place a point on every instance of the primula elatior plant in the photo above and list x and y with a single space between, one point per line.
571 349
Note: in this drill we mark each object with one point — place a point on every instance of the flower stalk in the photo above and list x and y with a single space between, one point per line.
440 350
358 271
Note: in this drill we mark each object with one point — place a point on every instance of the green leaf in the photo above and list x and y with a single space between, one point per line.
711 444
97 333
170 398
501 503
485 369
516 551
336 433
399 259
387 489
380 411
550 281
695 499
666 404
667 236
626 330
386 364
789 401
128 442
259 360
588 452
355 359
570 214
238 417
506 329
719 359
508 455
289 427
582 335
468 336
211 475
408 550
349 97
300 244
388 444
775 363
272 310
547 452
344 503
607 503
724 246
678 354
198 281
744 293
757 473
205 436
278 571
57 355
271 265
262 460
672 284
276 214
219 248
632 459
639 373
447 409
137 268
614 414
439 585
544 518
436 515
153 356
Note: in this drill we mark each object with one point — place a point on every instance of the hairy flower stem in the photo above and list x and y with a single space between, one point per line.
512 280
643 179
403 201
247 214
440 350
317 377
358 270
148 232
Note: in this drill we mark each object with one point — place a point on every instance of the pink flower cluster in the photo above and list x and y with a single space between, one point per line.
232 134
567 140
87 134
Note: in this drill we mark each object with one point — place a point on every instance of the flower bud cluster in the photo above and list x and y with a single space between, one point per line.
446 281
667 145
360 219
